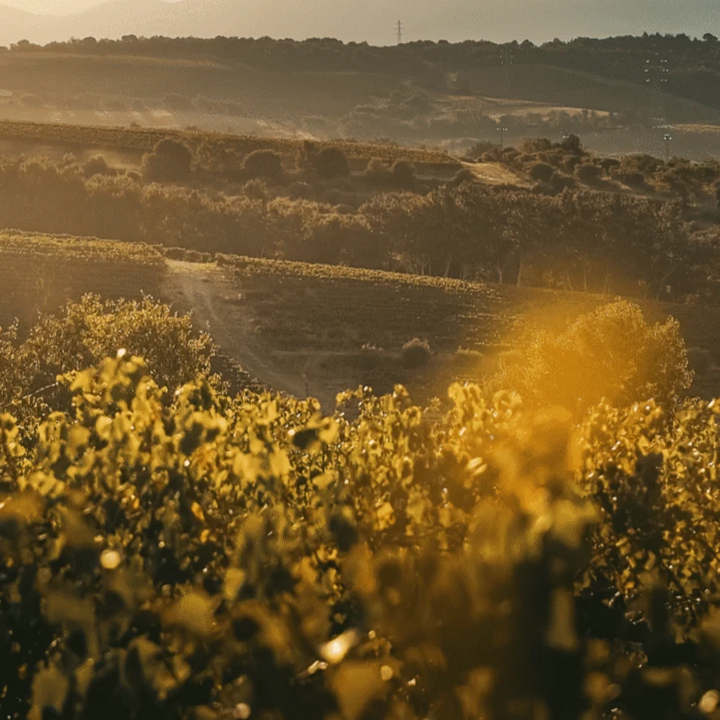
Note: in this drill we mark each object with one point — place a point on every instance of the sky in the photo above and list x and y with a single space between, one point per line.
55 7
370 20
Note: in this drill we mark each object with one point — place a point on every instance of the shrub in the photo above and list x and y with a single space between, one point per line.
588 173
84 332
631 178
331 162
256 190
170 160
377 171
403 174
265 164
478 150
189 556
609 164
542 172
97 165
572 144
416 353
611 354
560 181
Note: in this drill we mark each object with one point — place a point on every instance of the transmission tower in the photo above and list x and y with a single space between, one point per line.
399 32
656 78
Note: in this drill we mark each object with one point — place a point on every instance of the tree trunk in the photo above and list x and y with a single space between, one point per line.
569 281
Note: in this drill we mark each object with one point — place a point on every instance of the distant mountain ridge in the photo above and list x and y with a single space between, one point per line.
372 20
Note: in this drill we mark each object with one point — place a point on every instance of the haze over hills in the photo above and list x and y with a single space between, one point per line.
370 21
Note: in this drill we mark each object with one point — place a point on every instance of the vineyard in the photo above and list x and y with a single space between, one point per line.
143 140
42 271
348 326
191 556
168 550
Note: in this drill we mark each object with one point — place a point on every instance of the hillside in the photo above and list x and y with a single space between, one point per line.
40 272
135 141
419 94
321 329
316 329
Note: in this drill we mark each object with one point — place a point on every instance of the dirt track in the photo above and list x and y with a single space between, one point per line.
213 299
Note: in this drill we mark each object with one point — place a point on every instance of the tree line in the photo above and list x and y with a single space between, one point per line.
578 239
693 73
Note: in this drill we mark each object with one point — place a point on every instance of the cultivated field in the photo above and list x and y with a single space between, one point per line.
40 272
334 327
137 141
318 329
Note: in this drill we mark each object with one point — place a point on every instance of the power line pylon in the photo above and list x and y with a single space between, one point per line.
399 32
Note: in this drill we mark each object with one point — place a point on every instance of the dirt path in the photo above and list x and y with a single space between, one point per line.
495 174
207 291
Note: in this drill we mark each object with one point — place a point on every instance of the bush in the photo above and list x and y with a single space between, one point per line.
610 354
377 171
560 181
542 172
403 174
416 353
265 164
572 144
589 173
256 190
97 165
170 160
633 179
331 162
84 332
609 164
190 556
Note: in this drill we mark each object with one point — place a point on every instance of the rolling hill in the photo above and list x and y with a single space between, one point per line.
317 329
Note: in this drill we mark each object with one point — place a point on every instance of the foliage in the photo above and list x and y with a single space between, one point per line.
170 160
589 173
82 333
330 162
542 172
144 140
192 556
416 353
569 238
611 354
263 164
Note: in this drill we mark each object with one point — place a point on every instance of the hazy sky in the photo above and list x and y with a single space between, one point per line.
370 20
56 7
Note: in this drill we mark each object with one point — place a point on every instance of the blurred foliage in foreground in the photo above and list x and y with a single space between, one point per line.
181 554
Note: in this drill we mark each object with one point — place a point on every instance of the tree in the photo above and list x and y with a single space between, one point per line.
170 160
265 164
331 162
611 354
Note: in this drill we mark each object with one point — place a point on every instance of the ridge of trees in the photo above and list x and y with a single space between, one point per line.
693 73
